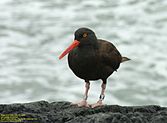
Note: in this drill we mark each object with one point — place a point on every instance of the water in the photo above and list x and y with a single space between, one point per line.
33 33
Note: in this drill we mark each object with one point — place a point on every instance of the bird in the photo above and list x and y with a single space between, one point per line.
92 59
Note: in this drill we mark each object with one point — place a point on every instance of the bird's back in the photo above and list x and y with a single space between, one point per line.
109 55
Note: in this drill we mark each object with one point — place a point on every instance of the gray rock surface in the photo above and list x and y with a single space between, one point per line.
64 112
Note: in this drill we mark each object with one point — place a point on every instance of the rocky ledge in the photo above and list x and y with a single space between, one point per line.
64 112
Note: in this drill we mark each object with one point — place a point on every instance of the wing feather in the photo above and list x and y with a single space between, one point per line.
110 56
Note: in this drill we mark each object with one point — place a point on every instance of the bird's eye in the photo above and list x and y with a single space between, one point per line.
85 35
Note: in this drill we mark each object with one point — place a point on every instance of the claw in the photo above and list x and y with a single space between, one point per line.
83 103
98 104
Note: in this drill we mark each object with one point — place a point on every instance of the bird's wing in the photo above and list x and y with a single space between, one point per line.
109 55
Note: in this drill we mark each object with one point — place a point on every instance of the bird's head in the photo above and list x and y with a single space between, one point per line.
83 37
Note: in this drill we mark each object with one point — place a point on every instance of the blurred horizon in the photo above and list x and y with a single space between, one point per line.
33 33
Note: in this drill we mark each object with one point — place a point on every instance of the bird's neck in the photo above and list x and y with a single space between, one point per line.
89 44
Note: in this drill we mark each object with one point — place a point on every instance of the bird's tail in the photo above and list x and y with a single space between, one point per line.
125 59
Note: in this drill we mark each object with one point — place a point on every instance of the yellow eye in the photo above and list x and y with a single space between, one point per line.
85 35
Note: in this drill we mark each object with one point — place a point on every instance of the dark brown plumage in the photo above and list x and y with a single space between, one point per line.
91 58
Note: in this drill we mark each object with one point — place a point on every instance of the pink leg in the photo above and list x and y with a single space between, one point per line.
84 103
101 98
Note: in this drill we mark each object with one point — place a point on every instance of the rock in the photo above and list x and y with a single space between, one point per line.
64 112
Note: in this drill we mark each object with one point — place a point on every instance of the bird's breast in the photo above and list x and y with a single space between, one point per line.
83 62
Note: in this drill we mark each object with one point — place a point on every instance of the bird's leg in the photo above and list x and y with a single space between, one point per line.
101 98
84 101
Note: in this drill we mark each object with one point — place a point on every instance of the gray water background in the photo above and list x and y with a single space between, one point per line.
33 33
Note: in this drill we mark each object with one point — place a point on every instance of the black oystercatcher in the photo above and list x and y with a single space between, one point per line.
92 59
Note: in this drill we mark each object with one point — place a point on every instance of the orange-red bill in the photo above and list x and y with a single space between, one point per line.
71 47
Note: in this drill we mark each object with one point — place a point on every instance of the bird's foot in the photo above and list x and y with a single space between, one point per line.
83 103
98 104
